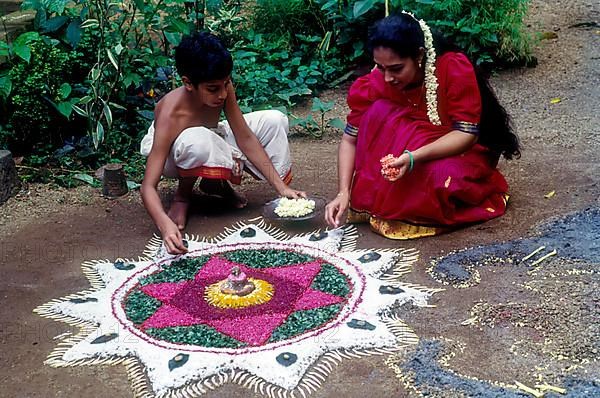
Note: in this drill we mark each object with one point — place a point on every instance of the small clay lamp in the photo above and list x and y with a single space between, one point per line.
237 283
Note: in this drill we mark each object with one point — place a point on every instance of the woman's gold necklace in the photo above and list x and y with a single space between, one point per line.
418 101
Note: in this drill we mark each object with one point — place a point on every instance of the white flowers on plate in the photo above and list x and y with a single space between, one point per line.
294 207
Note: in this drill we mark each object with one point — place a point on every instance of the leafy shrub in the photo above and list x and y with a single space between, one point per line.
488 30
229 24
267 73
103 65
286 18
37 85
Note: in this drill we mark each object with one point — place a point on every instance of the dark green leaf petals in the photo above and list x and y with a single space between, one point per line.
105 338
178 361
120 265
80 300
368 257
286 358
360 324
390 290
318 236
248 233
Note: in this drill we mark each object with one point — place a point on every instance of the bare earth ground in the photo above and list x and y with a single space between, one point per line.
525 324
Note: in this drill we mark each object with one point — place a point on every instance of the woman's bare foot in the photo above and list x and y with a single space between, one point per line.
181 202
223 189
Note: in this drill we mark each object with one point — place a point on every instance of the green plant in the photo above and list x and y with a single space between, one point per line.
57 18
89 99
488 30
317 128
38 97
133 42
4 137
267 73
286 18
225 23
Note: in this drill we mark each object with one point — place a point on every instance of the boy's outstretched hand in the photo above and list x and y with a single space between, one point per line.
173 239
291 193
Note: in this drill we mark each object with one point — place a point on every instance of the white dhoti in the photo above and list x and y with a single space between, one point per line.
214 153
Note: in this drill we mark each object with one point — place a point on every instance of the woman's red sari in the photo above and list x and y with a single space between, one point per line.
451 191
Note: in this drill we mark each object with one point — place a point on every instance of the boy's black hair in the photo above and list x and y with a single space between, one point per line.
402 34
202 57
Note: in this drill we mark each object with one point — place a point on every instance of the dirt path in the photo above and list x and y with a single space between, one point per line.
47 234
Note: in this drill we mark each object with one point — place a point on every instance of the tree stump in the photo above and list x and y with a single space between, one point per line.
9 180
114 183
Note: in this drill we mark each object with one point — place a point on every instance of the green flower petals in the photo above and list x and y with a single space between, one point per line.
180 270
331 280
303 321
267 258
139 307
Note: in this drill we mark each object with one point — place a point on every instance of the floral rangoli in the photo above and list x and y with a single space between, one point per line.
254 306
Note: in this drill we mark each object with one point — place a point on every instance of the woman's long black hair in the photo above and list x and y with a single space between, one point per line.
402 34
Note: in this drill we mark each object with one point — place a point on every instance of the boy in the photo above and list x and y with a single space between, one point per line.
187 140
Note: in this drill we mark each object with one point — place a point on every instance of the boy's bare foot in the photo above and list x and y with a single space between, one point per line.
181 202
178 212
223 189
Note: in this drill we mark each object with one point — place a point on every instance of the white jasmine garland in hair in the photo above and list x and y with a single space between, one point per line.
431 83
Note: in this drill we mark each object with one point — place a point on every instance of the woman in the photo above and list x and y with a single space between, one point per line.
442 125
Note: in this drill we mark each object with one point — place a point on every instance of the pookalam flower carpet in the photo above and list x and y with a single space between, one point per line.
254 306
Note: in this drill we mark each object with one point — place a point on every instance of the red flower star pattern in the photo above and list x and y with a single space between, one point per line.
183 303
